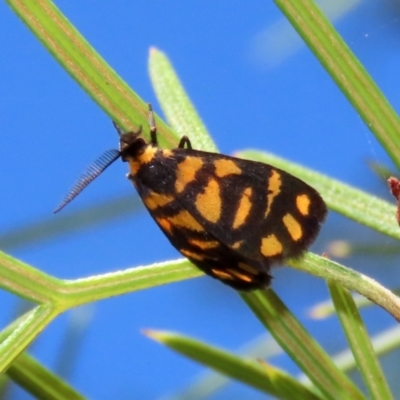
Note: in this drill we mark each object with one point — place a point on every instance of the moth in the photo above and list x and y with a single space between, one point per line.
230 217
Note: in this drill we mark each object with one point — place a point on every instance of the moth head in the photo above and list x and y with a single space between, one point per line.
130 143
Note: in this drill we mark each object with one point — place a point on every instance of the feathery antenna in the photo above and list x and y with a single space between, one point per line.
92 172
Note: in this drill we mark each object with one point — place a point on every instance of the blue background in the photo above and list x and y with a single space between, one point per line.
251 90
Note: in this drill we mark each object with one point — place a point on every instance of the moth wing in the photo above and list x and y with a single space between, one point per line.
256 210
232 218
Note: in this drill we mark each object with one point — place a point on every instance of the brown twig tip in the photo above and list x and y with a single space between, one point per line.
394 186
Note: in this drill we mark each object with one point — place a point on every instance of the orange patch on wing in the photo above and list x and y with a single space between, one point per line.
185 220
244 208
292 225
239 275
186 172
271 246
222 274
303 204
208 204
226 167
154 200
274 188
237 244
190 254
165 224
204 245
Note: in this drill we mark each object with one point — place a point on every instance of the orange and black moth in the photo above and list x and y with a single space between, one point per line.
232 218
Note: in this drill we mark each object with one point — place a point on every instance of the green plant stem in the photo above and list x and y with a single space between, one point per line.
25 281
24 333
86 66
350 279
87 290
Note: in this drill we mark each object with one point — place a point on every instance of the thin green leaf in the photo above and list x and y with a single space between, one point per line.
86 66
209 381
359 342
176 104
326 308
383 343
255 374
346 71
300 346
39 381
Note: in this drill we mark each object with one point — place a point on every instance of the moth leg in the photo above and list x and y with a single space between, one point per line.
153 128
185 141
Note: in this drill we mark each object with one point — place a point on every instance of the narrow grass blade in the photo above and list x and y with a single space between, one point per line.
360 343
258 375
300 346
39 381
209 382
346 71
176 104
